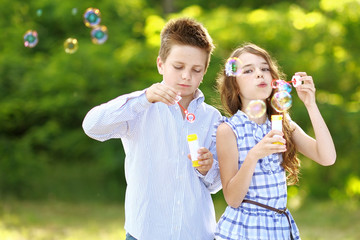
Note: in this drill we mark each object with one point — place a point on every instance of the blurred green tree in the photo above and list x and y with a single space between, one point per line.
45 93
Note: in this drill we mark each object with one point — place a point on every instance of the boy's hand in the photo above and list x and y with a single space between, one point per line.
205 160
161 93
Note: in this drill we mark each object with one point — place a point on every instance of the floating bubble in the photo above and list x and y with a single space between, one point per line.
74 11
255 109
39 12
99 34
31 38
284 86
232 67
281 101
92 17
71 45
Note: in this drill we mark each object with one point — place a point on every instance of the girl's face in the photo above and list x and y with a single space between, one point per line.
184 69
255 79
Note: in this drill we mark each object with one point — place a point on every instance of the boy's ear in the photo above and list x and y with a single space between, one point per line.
160 65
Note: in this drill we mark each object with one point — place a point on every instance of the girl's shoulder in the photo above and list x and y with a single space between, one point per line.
236 122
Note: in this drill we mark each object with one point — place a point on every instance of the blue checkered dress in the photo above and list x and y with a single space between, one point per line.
268 186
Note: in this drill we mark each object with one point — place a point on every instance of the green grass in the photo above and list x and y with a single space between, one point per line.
61 221
52 220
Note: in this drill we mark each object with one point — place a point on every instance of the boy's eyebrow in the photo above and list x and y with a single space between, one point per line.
179 62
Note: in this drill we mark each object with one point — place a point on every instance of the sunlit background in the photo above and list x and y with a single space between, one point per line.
56 183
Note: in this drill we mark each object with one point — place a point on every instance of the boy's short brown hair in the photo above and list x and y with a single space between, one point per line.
185 31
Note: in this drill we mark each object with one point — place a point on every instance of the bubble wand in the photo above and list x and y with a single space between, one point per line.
190 117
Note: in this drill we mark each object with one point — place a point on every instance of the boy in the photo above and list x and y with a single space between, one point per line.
166 197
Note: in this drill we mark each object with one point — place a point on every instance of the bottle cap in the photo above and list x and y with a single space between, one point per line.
192 137
276 117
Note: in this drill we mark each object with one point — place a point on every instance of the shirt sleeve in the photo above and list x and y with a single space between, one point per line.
212 179
111 119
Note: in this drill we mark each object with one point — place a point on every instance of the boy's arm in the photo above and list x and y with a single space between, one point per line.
110 120
212 179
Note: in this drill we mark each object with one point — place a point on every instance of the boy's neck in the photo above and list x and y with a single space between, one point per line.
185 101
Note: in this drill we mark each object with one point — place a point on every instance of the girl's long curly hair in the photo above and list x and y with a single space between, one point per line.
231 103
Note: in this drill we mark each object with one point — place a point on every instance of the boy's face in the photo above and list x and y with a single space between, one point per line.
183 69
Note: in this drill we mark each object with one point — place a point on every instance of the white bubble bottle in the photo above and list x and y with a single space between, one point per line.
276 124
194 147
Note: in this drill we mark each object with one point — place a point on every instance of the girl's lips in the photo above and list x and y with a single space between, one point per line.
262 85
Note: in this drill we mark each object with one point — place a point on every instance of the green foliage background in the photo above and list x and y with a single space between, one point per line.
45 93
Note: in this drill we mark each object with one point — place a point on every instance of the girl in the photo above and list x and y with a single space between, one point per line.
252 167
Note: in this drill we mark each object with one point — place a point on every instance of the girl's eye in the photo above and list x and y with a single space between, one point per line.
266 69
177 67
247 71
197 70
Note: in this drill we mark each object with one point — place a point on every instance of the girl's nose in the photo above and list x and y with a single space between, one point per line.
259 73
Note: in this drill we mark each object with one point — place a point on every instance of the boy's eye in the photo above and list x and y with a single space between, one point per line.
197 70
177 67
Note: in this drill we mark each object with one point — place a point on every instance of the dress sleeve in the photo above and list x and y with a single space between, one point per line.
112 119
233 124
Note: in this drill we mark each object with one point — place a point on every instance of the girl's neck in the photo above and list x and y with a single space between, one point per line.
260 120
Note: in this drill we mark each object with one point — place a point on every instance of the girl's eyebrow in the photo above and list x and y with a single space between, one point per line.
250 64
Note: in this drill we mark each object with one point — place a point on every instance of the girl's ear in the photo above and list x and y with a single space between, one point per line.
160 65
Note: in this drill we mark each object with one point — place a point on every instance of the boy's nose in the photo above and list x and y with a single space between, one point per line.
186 75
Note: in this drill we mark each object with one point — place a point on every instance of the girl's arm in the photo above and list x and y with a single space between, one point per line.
321 149
235 181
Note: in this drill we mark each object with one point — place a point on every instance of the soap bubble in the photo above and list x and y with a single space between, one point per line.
99 34
255 108
92 17
39 12
232 67
31 38
284 86
281 101
71 45
74 11
281 85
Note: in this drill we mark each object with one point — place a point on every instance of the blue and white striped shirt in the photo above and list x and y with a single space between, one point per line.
268 186
166 198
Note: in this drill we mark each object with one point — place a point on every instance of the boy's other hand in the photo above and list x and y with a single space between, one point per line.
161 93
205 160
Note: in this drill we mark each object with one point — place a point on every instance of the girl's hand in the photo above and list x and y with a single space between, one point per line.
162 93
205 160
306 91
273 142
